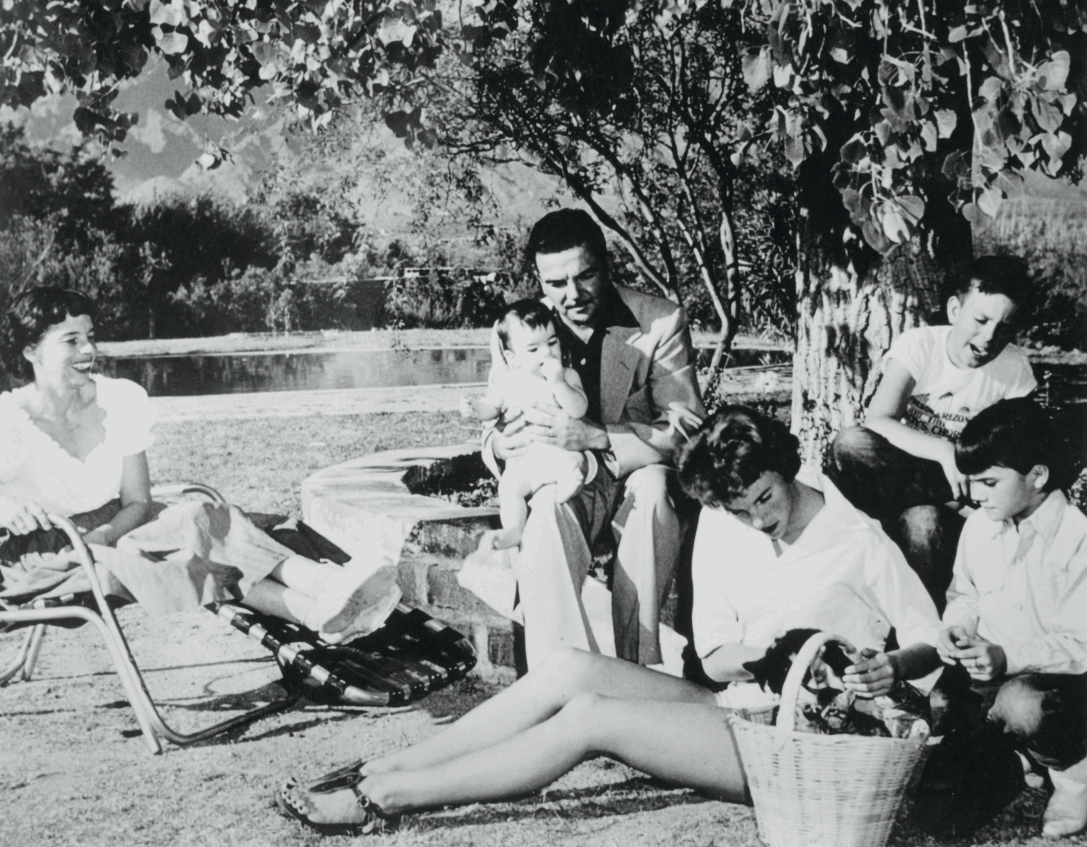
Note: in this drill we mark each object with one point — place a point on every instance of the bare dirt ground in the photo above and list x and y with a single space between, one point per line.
74 770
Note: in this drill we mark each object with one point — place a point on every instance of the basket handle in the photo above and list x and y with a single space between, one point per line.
790 691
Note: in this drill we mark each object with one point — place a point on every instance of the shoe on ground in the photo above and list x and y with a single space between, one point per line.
1066 813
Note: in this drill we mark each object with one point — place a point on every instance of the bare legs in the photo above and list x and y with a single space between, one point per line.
575 706
524 477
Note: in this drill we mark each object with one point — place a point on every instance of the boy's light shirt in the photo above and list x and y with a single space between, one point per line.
1025 588
945 396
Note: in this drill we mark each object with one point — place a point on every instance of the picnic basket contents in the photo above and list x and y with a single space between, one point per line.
819 785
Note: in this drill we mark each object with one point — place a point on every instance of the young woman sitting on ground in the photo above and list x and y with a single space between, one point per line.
73 443
806 559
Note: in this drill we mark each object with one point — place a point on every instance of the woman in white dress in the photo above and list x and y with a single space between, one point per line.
839 573
74 443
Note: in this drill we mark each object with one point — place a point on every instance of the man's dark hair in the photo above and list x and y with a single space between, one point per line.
565 229
1007 275
532 313
733 448
1014 434
30 316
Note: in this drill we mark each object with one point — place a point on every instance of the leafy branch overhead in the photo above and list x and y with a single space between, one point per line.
981 92
912 102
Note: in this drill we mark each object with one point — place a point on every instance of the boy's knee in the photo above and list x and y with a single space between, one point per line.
1019 706
852 443
920 526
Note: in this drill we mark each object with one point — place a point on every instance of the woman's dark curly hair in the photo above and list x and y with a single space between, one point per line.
29 318
733 448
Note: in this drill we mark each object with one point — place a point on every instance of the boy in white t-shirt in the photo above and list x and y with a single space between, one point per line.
530 347
900 466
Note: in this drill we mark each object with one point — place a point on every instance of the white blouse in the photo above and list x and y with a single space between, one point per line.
35 467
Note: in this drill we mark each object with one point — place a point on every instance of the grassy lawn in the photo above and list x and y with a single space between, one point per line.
260 464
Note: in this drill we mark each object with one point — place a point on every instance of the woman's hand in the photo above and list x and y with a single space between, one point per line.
873 675
22 517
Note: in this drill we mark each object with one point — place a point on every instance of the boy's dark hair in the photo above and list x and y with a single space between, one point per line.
733 448
1014 434
532 313
565 229
30 316
1007 275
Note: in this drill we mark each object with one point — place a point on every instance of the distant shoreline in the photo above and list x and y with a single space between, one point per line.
334 340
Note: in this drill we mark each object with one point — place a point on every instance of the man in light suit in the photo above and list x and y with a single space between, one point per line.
634 355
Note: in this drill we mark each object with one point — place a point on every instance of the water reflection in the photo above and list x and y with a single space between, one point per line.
170 376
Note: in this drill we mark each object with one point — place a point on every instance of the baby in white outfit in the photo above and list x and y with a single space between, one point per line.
530 346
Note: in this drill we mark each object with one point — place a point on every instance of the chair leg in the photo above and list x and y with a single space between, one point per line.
20 660
37 635
147 715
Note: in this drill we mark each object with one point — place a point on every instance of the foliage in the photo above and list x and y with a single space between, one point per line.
260 300
916 103
312 54
909 104
29 256
443 298
185 239
73 189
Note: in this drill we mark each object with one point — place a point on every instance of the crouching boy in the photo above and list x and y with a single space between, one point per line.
1016 616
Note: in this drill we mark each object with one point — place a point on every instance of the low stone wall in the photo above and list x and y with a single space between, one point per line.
383 502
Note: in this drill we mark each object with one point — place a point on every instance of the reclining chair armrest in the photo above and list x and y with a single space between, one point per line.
177 489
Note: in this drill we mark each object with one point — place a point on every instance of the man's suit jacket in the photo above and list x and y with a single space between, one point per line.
645 371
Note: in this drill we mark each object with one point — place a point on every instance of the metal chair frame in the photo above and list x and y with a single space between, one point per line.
42 613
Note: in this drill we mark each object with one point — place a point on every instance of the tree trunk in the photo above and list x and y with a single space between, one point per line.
850 309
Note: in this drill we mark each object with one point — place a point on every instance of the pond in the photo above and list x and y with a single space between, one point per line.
174 376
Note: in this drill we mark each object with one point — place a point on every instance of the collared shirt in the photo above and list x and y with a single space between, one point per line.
584 356
1025 587
842 575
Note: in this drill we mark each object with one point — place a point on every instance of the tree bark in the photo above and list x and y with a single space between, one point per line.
850 309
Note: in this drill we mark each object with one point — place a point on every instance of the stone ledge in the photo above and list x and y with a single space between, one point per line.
372 503
380 502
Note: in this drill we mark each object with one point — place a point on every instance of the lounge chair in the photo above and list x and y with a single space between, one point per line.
407 658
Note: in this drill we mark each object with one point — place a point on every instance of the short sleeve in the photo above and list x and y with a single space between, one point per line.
130 415
912 349
1023 383
11 441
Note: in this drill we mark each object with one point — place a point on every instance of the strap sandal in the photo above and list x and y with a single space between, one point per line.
336 780
292 800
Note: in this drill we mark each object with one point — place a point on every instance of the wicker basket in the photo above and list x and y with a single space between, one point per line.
822 790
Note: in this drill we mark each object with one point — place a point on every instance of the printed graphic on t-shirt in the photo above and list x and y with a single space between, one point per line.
947 425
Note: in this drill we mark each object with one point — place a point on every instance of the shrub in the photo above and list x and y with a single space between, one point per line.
444 298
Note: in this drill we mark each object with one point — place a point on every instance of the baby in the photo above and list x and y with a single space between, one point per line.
530 346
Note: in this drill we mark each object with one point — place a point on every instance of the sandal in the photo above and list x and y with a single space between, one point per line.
292 800
336 780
